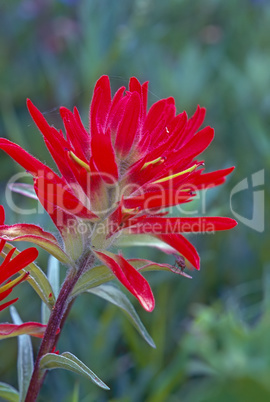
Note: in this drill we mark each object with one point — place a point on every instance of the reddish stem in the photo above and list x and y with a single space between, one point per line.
56 321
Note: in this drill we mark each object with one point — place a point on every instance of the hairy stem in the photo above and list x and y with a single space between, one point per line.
57 318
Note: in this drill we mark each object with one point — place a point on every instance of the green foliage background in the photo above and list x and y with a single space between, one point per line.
212 333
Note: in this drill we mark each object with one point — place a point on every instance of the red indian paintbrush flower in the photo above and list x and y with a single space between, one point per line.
9 267
117 178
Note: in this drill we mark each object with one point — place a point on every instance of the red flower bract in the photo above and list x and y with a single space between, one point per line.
118 177
10 267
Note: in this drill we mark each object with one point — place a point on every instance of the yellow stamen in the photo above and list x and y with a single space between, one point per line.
160 159
11 284
79 161
130 210
189 170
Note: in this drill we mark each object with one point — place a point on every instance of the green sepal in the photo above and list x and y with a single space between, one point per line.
70 362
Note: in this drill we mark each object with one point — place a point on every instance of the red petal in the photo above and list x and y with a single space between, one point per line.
85 136
104 156
193 124
130 278
54 140
101 104
116 111
158 118
17 263
8 258
5 294
52 193
194 147
77 136
135 86
156 112
27 161
5 305
211 179
128 127
183 246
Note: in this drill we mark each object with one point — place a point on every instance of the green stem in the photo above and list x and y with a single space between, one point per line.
56 321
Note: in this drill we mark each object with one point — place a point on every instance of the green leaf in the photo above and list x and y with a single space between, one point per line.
37 279
25 362
53 278
8 393
70 362
119 299
92 278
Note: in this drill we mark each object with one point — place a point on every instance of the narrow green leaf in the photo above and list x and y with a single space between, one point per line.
25 362
70 362
92 278
37 279
53 278
8 393
119 299
54 274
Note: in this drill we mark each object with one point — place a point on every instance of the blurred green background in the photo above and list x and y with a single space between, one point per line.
211 332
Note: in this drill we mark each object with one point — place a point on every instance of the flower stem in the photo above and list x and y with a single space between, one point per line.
56 321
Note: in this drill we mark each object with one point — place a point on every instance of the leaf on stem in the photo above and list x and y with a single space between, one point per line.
70 362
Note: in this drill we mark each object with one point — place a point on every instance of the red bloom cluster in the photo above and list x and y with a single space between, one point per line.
10 267
118 177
